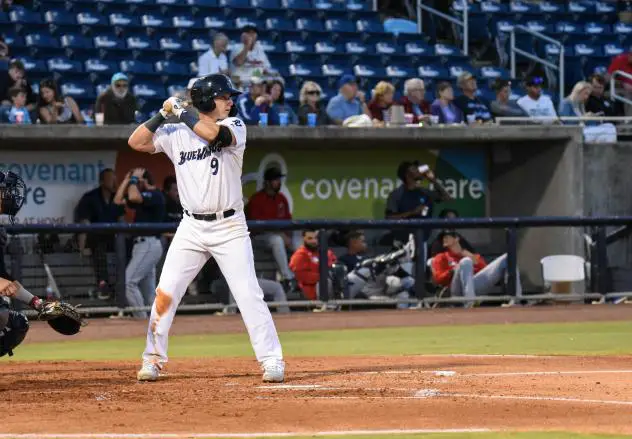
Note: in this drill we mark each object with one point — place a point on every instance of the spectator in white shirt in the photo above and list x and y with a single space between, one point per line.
248 58
214 60
535 104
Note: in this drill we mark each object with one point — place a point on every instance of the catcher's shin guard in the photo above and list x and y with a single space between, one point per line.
13 333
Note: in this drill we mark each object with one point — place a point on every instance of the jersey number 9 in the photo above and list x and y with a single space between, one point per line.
215 165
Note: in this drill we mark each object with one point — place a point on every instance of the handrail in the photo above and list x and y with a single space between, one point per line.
463 23
613 91
514 50
523 119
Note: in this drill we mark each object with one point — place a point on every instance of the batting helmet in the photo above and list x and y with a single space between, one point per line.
207 88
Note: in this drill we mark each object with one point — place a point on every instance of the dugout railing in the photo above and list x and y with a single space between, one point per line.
511 225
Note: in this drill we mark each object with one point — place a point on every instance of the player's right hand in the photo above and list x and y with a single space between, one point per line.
174 106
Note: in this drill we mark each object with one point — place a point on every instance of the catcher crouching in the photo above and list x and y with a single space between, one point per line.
61 316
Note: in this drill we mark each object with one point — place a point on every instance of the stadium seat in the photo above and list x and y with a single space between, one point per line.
419 49
43 43
613 49
33 65
621 28
149 91
76 42
387 48
549 7
597 28
60 18
92 19
137 68
24 16
328 5
310 25
13 40
124 20
447 50
357 47
336 70
148 20
293 46
587 50
266 4
328 47
271 46
358 5
399 71
64 65
280 24
304 5
235 4
363 70
108 41
78 90
492 72
433 72
204 3
300 69
175 89
141 42
171 69
175 44
201 44
398 26
101 67
340 26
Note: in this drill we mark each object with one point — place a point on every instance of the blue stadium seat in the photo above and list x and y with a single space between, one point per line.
92 19
267 4
188 22
486 93
492 72
364 71
80 89
457 69
108 41
244 21
587 50
148 20
41 41
399 71
519 7
137 67
271 46
204 3
388 48
77 42
201 44
447 50
101 67
433 72
33 65
291 94
621 28
172 68
13 40
300 69
175 89
280 24
293 46
124 20
23 16
567 27
241 4
336 70
141 42
4 18
398 26
215 22
370 26
60 18
149 91
174 44
597 29
328 5
340 26
310 25
357 48
613 49
304 5
327 47
64 65
539 26
549 7
419 49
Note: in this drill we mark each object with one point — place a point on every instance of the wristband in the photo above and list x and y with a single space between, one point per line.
189 119
154 123
133 180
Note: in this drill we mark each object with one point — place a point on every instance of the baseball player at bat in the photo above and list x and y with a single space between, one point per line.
207 149
14 325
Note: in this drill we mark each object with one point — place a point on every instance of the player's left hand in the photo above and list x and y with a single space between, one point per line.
174 106
61 316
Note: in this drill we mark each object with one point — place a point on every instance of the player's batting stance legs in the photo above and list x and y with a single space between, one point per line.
207 148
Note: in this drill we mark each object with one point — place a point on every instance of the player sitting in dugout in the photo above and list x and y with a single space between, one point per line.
466 273
305 265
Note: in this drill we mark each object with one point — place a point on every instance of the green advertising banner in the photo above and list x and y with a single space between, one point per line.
354 184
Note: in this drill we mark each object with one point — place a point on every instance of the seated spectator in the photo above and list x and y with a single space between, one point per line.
348 102
270 204
471 105
310 103
255 102
117 103
535 104
305 264
53 108
276 90
248 59
413 100
214 59
502 106
437 244
18 114
597 103
443 107
382 100
466 273
574 105
4 54
16 77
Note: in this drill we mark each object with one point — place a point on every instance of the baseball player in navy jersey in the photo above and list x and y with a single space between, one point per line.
207 149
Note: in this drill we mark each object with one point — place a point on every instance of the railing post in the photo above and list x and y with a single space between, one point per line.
512 51
121 265
374 5
602 261
512 258
420 264
466 28
562 81
323 266
420 22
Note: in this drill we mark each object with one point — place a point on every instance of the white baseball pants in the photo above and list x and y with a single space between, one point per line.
228 241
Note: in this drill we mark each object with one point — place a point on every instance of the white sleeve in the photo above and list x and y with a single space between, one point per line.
238 128
203 64
552 111
161 139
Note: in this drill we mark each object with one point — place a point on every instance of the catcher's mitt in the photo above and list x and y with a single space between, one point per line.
62 317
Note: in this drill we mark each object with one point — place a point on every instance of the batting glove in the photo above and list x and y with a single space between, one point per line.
177 106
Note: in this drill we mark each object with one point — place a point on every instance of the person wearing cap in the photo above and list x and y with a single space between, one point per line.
471 105
535 104
502 106
465 272
15 76
214 59
270 204
348 102
248 58
255 102
117 102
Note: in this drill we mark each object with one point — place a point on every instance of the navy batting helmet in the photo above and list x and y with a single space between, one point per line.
207 88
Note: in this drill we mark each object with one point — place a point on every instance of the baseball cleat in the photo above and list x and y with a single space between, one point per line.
273 370
149 372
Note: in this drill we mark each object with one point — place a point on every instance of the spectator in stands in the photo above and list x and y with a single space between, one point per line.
310 104
502 106
248 58
597 102
117 102
622 63
270 204
379 106
16 77
443 107
53 108
413 100
137 192
348 102
465 272
255 102
534 103
574 105
94 207
276 90
305 264
4 54
214 59
18 114
473 108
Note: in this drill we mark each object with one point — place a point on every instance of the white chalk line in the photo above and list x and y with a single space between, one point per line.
537 398
235 435
537 373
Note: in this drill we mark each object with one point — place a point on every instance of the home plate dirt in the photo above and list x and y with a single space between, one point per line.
584 394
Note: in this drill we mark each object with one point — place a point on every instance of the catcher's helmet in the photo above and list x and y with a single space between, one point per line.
207 88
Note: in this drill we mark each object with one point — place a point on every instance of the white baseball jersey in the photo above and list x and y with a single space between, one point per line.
209 177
